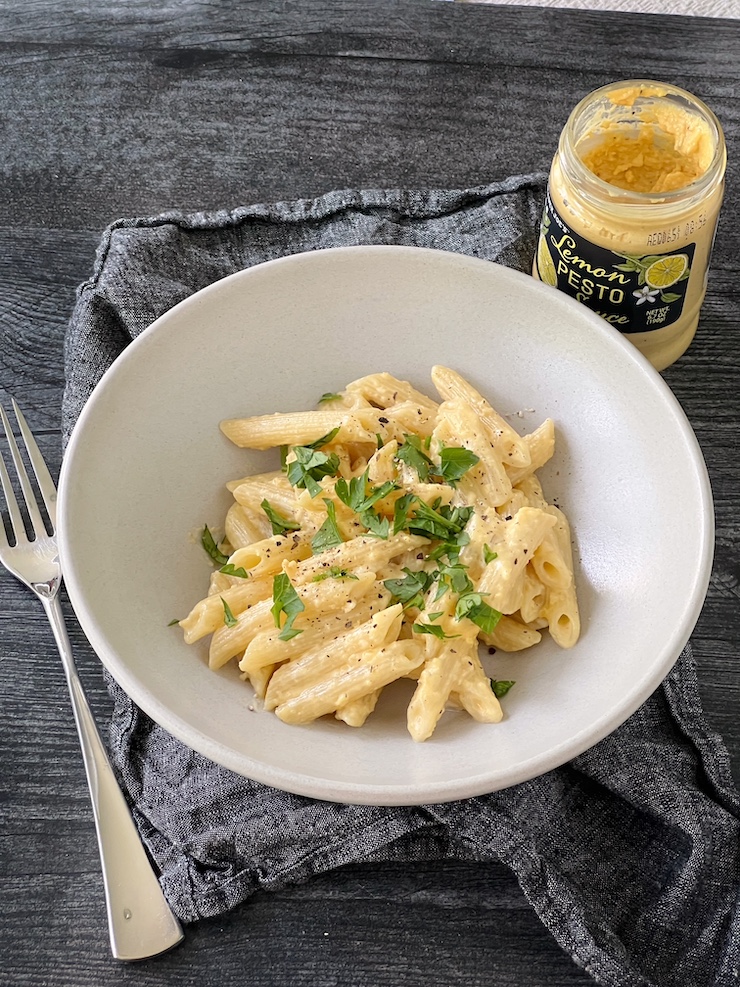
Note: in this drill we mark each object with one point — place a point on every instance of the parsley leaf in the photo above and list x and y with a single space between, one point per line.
456 577
355 494
329 396
229 618
450 548
375 524
410 453
455 461
334 572
433 629
209 544
278 523
433 523
285 600
474 607
309 466
173 622
488 555
324 440
501 687
328 534
401 512
232 570
410 590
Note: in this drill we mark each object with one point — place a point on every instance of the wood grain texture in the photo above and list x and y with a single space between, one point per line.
130 108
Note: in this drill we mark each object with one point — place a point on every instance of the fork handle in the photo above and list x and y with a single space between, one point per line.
140 922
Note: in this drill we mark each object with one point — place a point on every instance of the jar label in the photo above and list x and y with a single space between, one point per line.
632 293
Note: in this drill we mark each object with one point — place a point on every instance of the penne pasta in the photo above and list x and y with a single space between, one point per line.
403 538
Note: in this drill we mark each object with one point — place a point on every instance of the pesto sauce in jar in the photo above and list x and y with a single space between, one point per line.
632 205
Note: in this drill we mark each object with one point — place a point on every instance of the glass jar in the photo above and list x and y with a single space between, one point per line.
631 211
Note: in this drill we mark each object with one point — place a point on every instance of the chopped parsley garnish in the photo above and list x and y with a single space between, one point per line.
229 618
232 570
334 572
328 534
433 629
450 548
440 523
454 462
488 555
309 466
501 687
209 544
455 577
278 523
411 589
474 607
285 600
356 494
173 622
401 512
410 453
323 440
376 525
328 396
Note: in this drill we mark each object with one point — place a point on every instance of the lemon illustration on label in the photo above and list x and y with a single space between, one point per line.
545 264
667 271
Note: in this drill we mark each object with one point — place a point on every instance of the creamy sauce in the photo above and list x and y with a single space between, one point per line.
657 148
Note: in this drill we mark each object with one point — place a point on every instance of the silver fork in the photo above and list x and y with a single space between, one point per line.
140 922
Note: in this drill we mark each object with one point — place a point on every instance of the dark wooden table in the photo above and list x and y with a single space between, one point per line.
131 108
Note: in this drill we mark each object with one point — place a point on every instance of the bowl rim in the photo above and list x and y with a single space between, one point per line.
392 794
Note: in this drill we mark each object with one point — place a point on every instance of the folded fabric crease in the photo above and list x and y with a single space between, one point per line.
630 854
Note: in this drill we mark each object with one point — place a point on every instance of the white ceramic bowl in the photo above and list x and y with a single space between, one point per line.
146 466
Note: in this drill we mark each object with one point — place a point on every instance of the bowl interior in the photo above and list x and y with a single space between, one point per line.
146 467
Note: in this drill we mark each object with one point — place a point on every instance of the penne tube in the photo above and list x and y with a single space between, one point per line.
487 482
397 421
227 642
243 527
329 595
363 674
507 441
438 678
475 694
503 578
563 618
510 635
382 467
277 492
384 390
355 713
266 557
294 428
540 445
534 596
266 647
208 614
363 552
296 676
267 478
259 679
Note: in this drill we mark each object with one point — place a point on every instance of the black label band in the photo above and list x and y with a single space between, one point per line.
633 293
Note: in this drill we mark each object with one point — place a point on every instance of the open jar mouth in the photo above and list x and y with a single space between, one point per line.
642 97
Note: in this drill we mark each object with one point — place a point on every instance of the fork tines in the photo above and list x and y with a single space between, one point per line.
43 478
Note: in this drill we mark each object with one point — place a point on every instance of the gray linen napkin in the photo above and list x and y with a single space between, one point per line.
630 854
